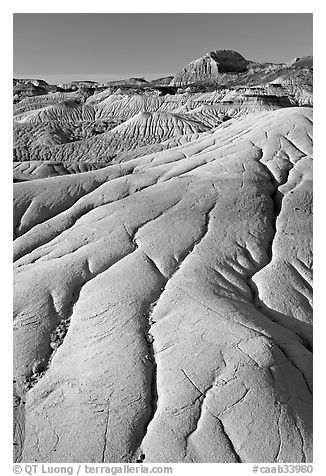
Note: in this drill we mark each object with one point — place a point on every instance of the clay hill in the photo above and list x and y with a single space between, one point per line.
163 267
210 66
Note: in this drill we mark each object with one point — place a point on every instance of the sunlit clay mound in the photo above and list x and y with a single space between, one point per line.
163 299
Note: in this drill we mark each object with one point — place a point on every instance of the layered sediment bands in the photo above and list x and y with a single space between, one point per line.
183 292
69 110
141 130
109 127
209 66
39 102
42 169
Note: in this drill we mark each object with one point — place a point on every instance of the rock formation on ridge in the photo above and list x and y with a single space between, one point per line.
209 66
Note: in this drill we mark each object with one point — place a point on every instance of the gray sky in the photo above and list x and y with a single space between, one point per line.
99 46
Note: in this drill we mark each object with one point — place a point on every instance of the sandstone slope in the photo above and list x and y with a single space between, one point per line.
163 304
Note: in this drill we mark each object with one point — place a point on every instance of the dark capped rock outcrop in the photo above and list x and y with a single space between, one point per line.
210 66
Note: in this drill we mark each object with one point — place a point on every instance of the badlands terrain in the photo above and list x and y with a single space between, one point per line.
163 266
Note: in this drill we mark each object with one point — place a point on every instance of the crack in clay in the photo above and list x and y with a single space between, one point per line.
304 457
288 357
300 276
186 253
105 436
55 434
202 398
230 442
277 198
19 426
57 338
280 437
247 355
192 382
88 192
272 315
74 214
150 338
257 332
235 403
58 334
133 234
